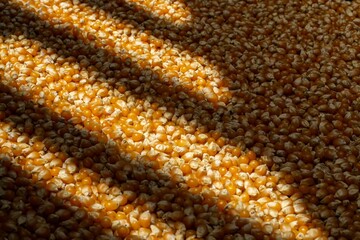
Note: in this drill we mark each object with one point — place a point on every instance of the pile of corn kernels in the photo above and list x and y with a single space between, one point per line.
179 119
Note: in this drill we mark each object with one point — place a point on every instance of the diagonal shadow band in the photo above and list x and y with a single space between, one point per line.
256 99
172 96
188 35
56 211
41 115
177 100
165 91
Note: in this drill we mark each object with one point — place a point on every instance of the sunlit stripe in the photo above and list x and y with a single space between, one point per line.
102 43
143 48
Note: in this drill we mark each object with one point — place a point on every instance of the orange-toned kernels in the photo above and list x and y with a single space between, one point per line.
86 113
123 231
246 168
120 215
102 197
226 163
253 164
192 182
234 170
67 78
161 137
243 159
187 157
274 205
231 188
181 143
290 218
236 151
122 200
215 134
67 178
260 181
34 155
122 89
88 201
80 175
134 223
44 174
28 163
185 168
13 60
128 208
201 138
272 179
38 146
168 148
195 190
130 148
105 222
17 151
261 170
98 110
128 131
110 205
55 171
222 171
102 92
133 114
244 213
112 215
208 193
157 114
155 124
66 114
211 151
144 219
86 181
303 229
251 155
221 204
244 197
95 126
267 218
71 189
221 141
137 137
200 173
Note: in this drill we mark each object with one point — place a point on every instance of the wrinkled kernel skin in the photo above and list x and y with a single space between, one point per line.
184 119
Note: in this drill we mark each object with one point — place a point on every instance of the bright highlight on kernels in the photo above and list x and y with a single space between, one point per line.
184 119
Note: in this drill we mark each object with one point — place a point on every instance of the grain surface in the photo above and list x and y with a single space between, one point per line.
179 119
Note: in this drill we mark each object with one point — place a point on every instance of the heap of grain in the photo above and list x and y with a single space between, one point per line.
217 119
